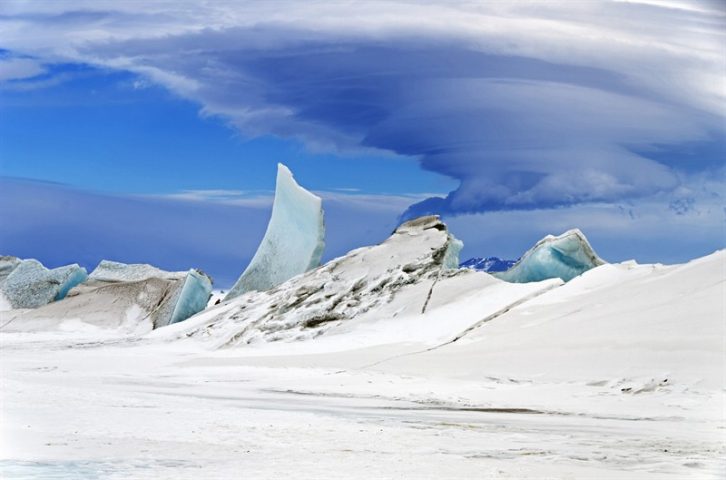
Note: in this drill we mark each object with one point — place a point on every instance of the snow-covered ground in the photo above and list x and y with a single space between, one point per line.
616 374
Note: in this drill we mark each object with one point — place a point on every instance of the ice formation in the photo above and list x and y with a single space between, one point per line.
193 296
28 284
116 296
7 265
187 295
109 271
451 256
565 256
293 242
409 276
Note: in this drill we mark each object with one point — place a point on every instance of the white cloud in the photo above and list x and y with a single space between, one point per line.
19 68
528 104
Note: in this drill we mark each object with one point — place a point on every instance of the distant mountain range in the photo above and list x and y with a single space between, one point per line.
489 264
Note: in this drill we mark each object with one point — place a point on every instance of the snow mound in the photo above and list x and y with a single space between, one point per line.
116 296
565 256
409 276
293 242
28 284
621 324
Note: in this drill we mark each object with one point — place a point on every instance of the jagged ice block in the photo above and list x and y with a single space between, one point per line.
565 256
28 284
293 242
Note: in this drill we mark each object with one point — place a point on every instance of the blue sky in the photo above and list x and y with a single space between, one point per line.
101 130
511 120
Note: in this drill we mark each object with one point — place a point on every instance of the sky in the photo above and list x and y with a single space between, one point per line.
150 131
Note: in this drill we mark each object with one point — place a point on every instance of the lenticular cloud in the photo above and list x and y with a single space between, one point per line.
497 97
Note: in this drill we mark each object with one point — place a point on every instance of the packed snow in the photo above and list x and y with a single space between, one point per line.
388 362
411 273
293 242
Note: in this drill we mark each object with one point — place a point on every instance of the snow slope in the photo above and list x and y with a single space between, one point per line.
407 283
618 373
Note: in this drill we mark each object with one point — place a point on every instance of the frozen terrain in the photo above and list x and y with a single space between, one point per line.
293 242
414 270
421 370
119 298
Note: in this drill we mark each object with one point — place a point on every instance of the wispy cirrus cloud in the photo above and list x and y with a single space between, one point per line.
220 196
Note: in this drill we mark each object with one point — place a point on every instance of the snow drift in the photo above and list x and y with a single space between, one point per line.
388 291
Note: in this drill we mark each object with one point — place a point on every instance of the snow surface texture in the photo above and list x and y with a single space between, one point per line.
489 264
618 373
119 298
393 278
565 256
293 242
28 284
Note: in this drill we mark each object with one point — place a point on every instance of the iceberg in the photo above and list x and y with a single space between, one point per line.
132 298
109 271
565 257
187 292
28 284
193 296
294 240
7 265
